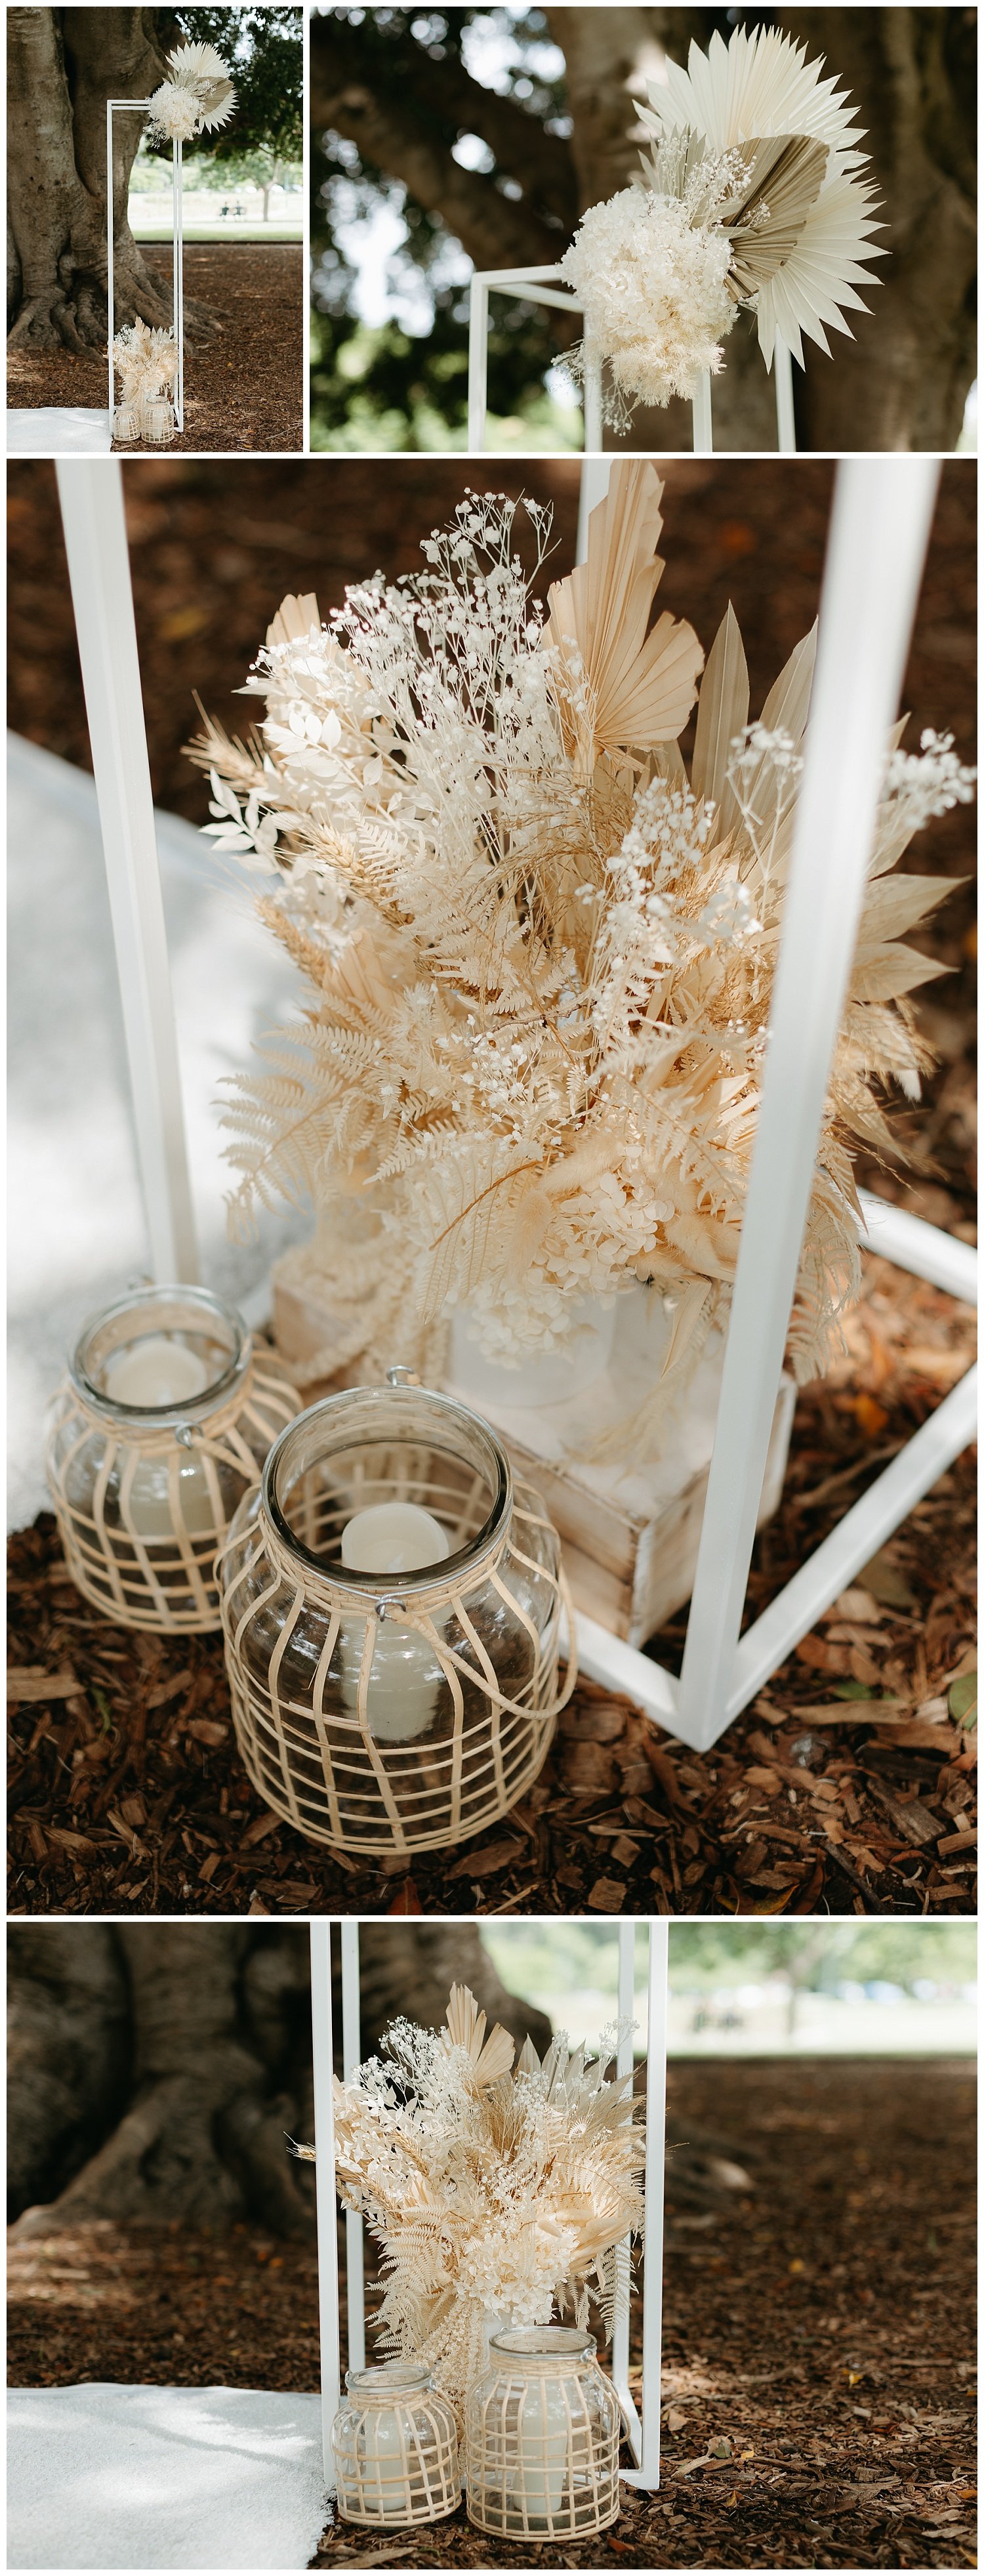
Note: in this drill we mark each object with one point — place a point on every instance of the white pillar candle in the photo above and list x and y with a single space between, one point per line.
544 2433
159 1371
382 2463
155 1371
392 1538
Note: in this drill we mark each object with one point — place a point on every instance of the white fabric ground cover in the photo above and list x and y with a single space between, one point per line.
49 432
106 2476
76 1232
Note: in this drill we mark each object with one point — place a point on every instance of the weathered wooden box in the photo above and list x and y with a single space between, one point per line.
630 1535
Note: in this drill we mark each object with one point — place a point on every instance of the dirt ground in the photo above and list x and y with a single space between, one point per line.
243 389
849 1786
818 2346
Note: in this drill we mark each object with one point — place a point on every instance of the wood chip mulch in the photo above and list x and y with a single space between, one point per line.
818 2353
244 389
847 1787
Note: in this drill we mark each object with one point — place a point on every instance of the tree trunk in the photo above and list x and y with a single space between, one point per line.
62 66
156 2067
902 381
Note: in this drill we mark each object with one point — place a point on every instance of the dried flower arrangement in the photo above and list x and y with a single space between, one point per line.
501 2194
539 956
146 362
751 195
198 98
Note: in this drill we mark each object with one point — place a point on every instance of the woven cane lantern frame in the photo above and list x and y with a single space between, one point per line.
387 2484
117 1471
543 2388
315 1650
641 2422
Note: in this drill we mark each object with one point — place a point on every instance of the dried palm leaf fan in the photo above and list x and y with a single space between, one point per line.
538 956
199 97
752 194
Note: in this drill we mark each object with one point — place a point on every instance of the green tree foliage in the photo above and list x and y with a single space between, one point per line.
554 1957
405 384
264 48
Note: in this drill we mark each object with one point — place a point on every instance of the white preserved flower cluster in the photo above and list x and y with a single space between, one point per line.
175 114
931 781
653 286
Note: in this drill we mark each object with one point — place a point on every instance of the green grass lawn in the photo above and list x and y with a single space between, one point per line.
220 232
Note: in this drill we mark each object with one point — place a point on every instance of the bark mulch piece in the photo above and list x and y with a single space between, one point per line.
243 389
847 1787
818 2355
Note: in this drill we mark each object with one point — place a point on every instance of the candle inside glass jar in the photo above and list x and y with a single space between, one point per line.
544 2435
392 1538
155 1371
158 1372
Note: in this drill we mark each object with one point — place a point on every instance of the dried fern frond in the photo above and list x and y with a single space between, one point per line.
537 956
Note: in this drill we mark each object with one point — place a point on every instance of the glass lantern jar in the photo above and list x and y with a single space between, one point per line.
395 2447
392 1610
542 2430
126 423
162 1423
158 420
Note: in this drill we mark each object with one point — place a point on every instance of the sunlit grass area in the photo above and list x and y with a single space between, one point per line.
869 1989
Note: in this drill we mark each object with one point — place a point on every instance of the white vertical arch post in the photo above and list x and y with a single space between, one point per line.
324 2179
871 584
642 2426
91 497
782 368
354 2228
876 547
141 107
643 2429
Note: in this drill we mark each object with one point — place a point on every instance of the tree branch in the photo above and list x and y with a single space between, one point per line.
541 162
496 231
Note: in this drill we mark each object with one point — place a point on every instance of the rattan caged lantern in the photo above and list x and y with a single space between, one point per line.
158 1431
392 1604
395 2448
542 2433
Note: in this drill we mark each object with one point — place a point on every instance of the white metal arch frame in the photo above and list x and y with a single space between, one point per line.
642 2426
876 545
142 107
544 286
